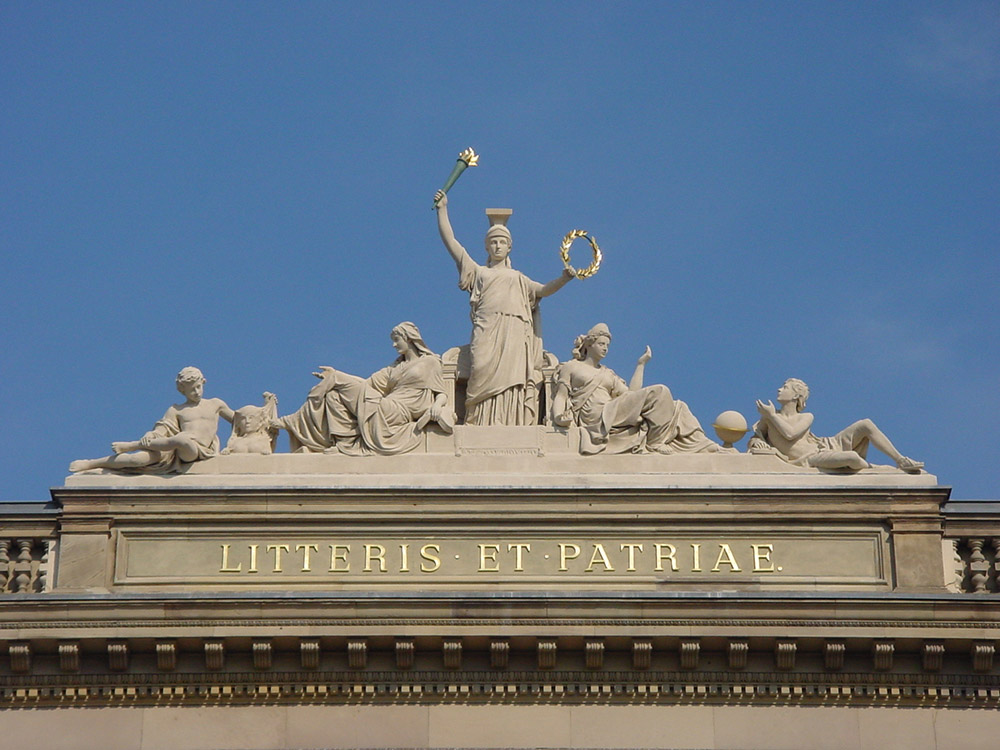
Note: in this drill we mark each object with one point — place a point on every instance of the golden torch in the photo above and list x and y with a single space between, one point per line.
466 159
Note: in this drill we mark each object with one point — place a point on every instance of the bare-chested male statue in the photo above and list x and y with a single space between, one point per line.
786 431
188 432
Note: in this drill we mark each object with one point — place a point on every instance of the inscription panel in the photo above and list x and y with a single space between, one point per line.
307 559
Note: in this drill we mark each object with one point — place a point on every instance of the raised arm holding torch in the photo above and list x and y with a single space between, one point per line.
466 159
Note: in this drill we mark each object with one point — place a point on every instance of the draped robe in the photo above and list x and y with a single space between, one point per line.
620 420
506 342
366 416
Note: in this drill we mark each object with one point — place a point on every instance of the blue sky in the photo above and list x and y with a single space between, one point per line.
780 189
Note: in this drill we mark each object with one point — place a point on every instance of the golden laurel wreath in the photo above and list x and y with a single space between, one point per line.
581 273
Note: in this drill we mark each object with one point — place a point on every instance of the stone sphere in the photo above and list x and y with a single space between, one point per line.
730 426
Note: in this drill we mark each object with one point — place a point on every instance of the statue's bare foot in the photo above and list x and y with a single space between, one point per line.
909 465
123 447
82 464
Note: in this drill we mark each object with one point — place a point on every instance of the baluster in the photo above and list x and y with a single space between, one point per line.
958 569
978 566
22 568
4 564
43 568
996 563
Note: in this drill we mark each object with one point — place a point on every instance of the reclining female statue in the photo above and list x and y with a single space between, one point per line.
619 418
384 414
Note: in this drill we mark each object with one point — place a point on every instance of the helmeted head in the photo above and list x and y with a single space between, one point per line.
797 389
406 335
190 379
498 244
599 335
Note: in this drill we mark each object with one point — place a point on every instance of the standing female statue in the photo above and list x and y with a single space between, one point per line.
506 342
383 414
621 418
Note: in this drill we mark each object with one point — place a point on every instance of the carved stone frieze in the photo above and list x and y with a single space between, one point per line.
451 652
118 656
737 654
499 653
784 654
982 656
833 655
405 650
215 654
357 653
546 653
642 653
933 656
69 656
309 653
882 654
689 651
593 650
263 653
20 656
166 656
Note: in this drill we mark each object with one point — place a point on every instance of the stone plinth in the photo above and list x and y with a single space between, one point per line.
539 517
499 576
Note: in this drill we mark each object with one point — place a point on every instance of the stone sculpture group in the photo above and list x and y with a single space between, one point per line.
383 414
389 412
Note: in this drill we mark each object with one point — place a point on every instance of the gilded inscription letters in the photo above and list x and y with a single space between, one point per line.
305 549
725 558
761 555
336 556
538 557
660 557
225 562
488 554
430 557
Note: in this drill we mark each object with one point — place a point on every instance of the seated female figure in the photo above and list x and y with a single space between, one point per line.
619 418
384 414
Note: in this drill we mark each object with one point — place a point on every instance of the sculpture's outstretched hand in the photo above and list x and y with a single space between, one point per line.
327 382
766 409
646 356
440 199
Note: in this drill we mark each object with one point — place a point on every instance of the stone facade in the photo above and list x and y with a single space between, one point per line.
486 598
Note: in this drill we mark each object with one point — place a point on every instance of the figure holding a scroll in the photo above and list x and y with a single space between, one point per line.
506 346
620 418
